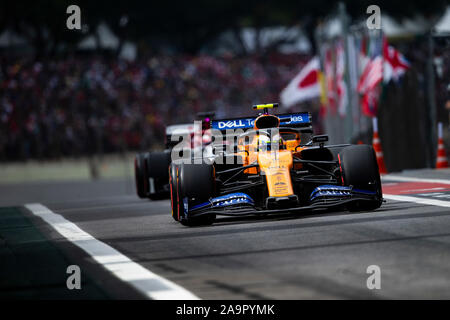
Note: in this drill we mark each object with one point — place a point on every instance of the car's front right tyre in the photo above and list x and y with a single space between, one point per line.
174 192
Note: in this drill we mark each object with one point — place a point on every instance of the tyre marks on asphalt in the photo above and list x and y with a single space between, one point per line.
147 282
419 191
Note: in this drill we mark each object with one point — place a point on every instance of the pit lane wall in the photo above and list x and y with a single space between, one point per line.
69 169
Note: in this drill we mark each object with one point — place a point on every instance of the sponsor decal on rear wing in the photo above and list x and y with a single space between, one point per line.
302 119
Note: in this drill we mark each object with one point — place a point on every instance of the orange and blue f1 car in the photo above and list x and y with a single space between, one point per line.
273 164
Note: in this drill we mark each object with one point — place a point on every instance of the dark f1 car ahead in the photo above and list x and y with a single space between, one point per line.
271 169
150 168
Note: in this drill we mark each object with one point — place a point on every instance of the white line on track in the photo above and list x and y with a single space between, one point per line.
431 202
147 282
413 179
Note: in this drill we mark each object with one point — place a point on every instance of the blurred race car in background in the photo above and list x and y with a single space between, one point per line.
151 168
275 165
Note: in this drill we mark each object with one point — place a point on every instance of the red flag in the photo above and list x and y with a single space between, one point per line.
341 88
370 102
304 86
395 64
371 76
368 85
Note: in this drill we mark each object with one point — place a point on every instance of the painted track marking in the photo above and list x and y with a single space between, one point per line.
404 188
431 202
145 281
408 188
412 179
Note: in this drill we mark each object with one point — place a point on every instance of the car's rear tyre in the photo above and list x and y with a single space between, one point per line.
140 175
359 168
158 175
196 182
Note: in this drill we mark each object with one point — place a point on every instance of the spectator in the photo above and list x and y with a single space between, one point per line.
85 105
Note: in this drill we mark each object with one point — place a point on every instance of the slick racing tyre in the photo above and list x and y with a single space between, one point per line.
158 175
140 175
174 191
359 168
197 185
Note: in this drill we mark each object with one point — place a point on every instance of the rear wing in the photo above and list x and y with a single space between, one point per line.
287 120
178 129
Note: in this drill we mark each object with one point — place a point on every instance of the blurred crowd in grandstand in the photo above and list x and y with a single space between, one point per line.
90 104
87 105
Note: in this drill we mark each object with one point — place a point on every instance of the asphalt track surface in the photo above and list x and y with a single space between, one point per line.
322 255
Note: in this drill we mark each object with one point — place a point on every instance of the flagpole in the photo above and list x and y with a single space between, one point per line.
431 101
349 107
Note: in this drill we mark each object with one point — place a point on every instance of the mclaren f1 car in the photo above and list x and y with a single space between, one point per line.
273 164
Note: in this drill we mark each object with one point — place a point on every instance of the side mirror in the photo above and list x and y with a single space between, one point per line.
320 139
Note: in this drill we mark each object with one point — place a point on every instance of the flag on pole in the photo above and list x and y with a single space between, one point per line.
385 66
329 80
370 101
395 64
305 86
341 88
371 76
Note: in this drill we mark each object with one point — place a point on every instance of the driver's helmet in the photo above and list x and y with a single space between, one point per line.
269 142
